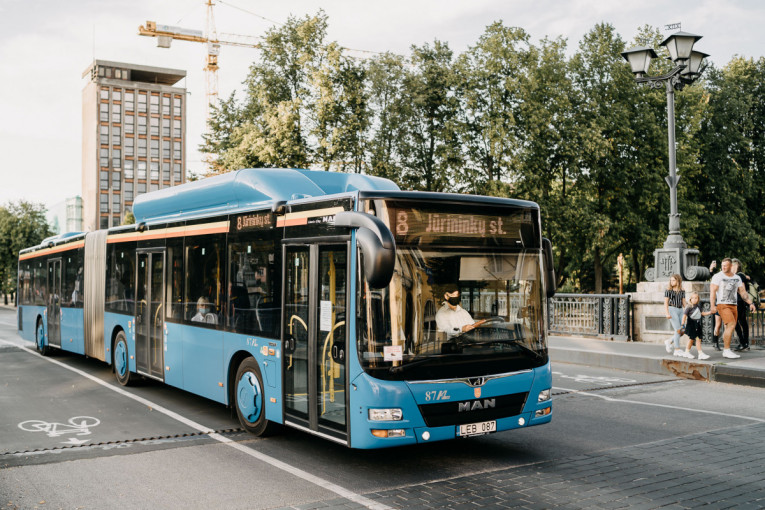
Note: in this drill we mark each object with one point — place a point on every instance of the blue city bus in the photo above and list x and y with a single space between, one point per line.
315 300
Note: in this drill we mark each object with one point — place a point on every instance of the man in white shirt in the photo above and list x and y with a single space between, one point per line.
722 297
452 318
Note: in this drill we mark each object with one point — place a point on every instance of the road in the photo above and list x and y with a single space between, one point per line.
71 438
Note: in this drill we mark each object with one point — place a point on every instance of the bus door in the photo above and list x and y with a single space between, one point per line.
54 302
149 312
315 338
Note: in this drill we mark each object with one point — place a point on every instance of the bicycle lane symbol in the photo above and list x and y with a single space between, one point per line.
77 425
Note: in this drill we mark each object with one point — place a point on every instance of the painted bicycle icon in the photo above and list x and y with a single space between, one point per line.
78 425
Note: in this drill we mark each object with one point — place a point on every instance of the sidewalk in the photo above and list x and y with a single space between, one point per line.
747 370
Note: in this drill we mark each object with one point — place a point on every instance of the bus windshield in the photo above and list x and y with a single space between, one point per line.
455 308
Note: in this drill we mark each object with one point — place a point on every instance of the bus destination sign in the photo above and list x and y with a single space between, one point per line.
252 221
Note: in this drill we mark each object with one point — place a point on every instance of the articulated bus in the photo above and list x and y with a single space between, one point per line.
315 300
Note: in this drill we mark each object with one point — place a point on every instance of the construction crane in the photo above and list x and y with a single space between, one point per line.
166 33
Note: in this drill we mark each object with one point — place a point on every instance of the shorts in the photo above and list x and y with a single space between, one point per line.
728 313
693 329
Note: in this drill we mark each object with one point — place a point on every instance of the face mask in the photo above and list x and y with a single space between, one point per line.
454 301
204 311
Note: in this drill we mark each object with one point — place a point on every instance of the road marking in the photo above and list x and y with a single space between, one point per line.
591 379
625 401
79 425
325 484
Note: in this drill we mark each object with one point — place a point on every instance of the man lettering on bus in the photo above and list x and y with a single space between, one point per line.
451 317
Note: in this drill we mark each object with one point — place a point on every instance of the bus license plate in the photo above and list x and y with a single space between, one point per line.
476 429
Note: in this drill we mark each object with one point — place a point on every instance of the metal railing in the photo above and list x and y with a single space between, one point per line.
602 315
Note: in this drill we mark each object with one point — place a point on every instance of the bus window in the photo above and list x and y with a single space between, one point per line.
120 277
205 275
40 282
175 279
73 283
253 307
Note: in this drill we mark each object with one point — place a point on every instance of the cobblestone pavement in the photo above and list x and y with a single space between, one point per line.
721 469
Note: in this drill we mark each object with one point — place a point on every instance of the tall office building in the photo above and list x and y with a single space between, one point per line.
66 216
133 137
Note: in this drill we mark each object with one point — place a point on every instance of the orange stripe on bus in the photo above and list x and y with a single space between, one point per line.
291 222
50 251
169 233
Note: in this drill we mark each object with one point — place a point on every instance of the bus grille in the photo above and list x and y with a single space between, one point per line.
472 411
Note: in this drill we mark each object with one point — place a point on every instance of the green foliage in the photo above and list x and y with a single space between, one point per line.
22 224
510 118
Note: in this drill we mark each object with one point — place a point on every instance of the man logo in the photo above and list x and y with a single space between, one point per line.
476 405
477 392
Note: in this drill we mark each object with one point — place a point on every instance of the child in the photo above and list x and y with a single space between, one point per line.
692 323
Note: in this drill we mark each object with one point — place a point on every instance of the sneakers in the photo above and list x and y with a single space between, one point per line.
727 353
682 354
668 344
703 355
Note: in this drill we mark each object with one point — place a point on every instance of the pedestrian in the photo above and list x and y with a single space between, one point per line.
742 324
722 295
692 325
674 302
718 321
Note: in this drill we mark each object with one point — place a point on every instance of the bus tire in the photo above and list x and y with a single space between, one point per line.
42 346
249 399
120 357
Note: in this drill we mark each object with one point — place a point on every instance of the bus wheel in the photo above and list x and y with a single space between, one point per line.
120 359
250 400
40 343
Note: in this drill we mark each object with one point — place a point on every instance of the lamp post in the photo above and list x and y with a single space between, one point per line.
674 257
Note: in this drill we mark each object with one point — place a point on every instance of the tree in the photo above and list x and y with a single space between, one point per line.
22 224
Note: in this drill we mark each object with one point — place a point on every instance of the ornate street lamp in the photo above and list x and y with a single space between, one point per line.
674 257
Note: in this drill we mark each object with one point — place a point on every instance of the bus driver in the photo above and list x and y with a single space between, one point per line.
451 317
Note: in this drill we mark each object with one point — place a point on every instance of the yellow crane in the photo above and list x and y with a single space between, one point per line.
166 33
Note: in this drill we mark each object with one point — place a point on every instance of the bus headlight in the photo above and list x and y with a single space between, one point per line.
394 414
544 395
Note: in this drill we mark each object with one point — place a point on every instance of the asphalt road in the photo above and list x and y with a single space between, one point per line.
70 437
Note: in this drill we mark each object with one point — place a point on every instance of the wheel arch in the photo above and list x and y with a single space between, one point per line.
233 366
116 331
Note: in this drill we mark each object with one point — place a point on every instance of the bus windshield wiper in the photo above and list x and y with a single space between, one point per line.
515 341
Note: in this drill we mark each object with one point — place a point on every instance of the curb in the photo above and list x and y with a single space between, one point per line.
685 369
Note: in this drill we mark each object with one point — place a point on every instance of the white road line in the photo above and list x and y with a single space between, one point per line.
325 484
625 401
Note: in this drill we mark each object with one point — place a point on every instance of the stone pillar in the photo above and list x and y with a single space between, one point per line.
649 321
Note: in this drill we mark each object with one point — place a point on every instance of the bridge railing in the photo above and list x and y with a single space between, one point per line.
602 315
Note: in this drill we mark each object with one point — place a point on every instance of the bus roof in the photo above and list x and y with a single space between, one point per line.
247 189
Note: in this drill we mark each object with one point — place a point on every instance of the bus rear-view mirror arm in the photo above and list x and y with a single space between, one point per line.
377 245
549 267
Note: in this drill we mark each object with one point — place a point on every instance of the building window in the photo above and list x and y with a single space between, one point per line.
116 181
128 192
142 147
142 170
104 222
116 158
166 128
154 103
166 172
165 105
104 129
140 188
177 106
116 135
165 149
104 157
116 209
142 102
153 186
129 119
141 125
128 169
129 101
154 148
154 170
116 111
105 94
177 173
129 147
104 201
104 109
117 95
176 150
104 179
154 125
176 129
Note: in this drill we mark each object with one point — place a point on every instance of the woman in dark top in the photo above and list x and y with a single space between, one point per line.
674 302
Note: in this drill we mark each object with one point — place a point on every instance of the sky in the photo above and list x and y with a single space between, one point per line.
45 45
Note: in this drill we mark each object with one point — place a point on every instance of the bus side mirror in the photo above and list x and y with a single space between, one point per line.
377 245
549 267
